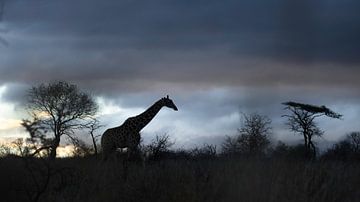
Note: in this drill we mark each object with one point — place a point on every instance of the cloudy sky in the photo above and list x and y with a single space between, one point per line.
214 58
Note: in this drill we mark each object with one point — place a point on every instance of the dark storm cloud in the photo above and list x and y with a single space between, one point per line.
305 30
134 71
140 45
15 93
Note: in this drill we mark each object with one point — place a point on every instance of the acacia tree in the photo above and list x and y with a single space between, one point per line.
252 138
302 120
57 109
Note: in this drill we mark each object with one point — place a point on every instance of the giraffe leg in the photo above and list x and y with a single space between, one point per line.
125 163
104 157
107 153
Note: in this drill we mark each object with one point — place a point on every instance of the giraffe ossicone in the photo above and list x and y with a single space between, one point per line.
127 135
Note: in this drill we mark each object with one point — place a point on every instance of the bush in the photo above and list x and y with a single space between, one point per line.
252 139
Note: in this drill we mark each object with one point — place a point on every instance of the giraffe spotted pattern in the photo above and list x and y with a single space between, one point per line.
128 134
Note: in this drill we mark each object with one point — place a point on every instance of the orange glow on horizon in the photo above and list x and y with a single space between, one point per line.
6 124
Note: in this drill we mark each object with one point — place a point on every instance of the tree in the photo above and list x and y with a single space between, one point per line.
57 109
5 150
159 147
354 139
340 151
302 120
252 138
290 152
81 149
38 139
93 126
281 150
207 151
230 146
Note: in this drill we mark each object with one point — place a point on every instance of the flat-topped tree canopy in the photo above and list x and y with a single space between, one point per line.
314 109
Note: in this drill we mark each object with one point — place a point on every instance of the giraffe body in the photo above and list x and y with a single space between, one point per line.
127 135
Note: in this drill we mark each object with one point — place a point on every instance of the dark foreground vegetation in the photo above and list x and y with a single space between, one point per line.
179 178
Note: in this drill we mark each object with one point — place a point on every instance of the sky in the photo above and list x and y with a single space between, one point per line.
216 59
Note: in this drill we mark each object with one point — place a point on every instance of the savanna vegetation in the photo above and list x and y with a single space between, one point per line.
246 167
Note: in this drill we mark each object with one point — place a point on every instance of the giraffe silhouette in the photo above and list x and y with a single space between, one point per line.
127 135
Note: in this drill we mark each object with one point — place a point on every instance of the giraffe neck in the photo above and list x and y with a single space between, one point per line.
144 118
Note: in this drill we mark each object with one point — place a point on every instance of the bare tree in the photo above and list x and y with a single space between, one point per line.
93 126
81 149
252 138
354 139
302 120
21 147
38 139
5 150
159 146
207 151
230 146
57 109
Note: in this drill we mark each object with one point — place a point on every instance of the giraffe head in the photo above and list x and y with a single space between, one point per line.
167 102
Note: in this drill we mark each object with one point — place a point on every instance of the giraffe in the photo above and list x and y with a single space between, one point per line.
127 135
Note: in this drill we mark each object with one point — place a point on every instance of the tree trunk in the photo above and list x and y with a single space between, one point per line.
94 143
305 140
53 148
312 149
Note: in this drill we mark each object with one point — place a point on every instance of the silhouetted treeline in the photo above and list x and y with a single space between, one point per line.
235 147
345 150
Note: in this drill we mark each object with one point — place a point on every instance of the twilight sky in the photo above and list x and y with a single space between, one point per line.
214 58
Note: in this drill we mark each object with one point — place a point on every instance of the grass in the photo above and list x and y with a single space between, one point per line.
219 179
